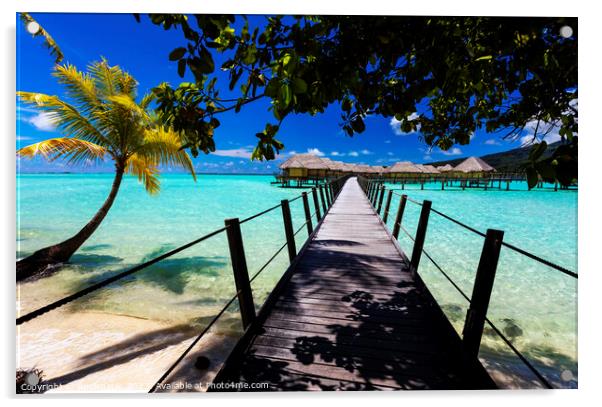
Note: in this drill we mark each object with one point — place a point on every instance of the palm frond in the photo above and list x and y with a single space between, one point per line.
105 76
67 117
75 151
80 87
164 146
146 171
126 84
49 42
146 100
129 104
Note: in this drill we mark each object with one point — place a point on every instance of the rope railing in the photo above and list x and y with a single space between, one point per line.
328 194
428 208
505 244
88 290
166 374
110 280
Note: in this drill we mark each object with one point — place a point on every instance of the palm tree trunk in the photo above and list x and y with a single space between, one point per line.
39 261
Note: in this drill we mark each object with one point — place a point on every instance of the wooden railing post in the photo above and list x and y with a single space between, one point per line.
314 194
288 230
307 211
241 274
374 195
328 196
420 234
324 207
481 293
380 199
399 217
387 206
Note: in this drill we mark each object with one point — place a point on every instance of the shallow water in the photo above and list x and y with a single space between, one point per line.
532 304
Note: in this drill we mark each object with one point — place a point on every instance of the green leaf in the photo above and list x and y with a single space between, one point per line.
177 54
358 125
284 96
299 86
537 150
484 58
181 67
532 177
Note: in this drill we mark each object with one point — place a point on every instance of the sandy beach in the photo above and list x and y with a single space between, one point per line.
99 352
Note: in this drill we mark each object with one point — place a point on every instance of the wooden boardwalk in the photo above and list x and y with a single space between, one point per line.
349 315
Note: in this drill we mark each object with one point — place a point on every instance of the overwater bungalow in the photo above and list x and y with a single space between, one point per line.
404 169
473 167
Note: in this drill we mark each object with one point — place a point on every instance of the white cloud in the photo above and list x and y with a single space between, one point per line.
366 152
353 154
315 151
337 154
390 153
42 121
235 152
452 151
552 135
427 157
395 125
492 142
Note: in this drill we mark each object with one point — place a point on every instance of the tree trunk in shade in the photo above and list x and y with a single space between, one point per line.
40 261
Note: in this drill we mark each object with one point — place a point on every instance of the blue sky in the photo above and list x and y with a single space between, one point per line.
142 49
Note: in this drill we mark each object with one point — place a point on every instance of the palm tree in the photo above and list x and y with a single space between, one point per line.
102 120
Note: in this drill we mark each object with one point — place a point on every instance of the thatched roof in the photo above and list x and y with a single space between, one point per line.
404 167
309 161
473 164
444 168
291 163
429 169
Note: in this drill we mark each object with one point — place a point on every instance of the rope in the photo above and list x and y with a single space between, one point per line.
497 331
260 214
457 222
193 344
539 259
104 283
521 357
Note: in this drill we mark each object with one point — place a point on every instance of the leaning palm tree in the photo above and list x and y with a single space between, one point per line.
101 120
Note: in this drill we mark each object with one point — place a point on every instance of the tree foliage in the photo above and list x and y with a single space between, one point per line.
460 74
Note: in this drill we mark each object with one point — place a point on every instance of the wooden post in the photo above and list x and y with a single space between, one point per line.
288 230
380 199
314 193
387 206
481 293
241 274
324 207
399 217
420 234
309 225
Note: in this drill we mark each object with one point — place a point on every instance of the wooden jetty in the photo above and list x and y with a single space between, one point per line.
351 314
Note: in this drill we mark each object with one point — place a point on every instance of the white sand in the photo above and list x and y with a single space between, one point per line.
96 352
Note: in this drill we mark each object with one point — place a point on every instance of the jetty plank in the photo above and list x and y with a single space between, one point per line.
352 316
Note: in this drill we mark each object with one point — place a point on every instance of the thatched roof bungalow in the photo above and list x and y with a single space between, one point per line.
474 166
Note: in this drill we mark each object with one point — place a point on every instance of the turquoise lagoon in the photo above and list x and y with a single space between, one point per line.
534 305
